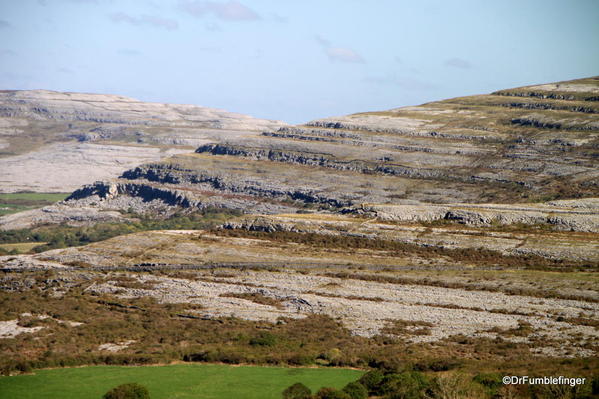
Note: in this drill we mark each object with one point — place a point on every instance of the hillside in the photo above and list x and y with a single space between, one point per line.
528 144
459 234
55 142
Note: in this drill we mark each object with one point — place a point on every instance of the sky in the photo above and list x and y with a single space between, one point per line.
295 60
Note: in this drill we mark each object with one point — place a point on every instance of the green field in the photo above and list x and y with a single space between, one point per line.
17 202
205 381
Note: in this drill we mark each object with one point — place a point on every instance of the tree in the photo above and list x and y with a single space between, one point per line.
407 385
355 390
128 391
297 391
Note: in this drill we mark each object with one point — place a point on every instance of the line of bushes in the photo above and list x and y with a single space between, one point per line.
409 384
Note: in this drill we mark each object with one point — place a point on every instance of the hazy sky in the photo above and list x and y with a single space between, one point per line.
295 60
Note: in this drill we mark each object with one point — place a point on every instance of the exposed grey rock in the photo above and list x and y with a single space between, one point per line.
113 109
56 142
57 214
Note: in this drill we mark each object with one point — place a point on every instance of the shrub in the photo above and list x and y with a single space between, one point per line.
372 381
297 391
355 390
437 365
264 339
128 391
457 385
491 381
300 359
407 385
334 356
331 393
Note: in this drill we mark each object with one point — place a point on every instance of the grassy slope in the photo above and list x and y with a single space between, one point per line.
180 381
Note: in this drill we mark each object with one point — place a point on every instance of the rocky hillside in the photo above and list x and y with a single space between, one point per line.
467 228
525 145
52 141
521 145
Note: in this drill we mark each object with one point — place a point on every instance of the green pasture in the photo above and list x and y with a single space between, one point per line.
184 381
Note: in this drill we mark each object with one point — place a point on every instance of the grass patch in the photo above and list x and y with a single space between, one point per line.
256 298
180 381
20 247
407 327
18 202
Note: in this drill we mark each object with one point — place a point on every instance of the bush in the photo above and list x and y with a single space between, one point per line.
372 381
457 385
128 391
407 385
491 381
297 391
264 339
331 393
355 390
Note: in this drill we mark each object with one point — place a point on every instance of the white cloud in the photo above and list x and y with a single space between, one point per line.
229 11
151 20
458 63
339 54
322 41
344 55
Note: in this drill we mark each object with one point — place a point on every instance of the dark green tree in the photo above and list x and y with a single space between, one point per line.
355 390
372 381
297 391
407 385
128 391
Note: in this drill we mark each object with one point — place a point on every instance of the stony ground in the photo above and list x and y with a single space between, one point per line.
368 290
366 307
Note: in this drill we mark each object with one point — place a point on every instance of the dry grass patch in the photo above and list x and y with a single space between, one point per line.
407 327
256 298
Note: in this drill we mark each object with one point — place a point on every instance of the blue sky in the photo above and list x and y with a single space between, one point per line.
295 60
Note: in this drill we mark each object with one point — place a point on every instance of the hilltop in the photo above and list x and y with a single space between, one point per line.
55 142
